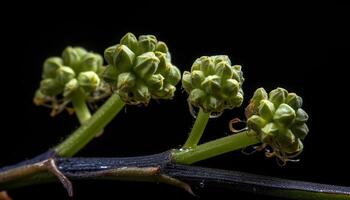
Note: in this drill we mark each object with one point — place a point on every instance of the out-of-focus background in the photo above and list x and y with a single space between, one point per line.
303 49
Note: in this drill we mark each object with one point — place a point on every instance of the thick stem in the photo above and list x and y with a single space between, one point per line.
80 107
87 131
197 130
214 148
159 168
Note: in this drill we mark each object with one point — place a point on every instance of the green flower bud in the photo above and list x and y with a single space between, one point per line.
109 54
259 95
285 137
301 116
155 82
70 87
269 132
164 65
161 47
197 77
285 127
254 103
296 146
147 43
50 67
221 58
89 81
90 62
230 87
146 64
130 41
213 103
300 130
223 69
278 96
266 110
50 87
214 76
174 75
142 93
207 66
284 115
196 96
71 57
211 85
167 92
123 58
294 101
126 81
256 123
64 75
110 74
187 81
236 101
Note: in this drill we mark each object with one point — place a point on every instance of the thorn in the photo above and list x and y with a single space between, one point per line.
52 167
178 183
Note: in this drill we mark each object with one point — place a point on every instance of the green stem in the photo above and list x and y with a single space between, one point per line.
80 106
197 130
87 131
214 148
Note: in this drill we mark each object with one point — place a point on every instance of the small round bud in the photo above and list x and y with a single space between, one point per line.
71 57
285 137
230 87
187 81
284 115
196 96
301 116
90 62
278 96
164 65
130 41
269 132
50 67
147 43
50 87
109 54
126 81
123 58
256 123
294 101
266 110
155 82
70 87
161 47
300 130
173 76
254 103
211 85
224 70
146 64
88 81
64 75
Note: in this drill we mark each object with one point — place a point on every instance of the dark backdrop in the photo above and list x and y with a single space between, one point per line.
304 49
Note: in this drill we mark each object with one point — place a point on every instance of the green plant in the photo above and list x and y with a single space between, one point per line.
139 70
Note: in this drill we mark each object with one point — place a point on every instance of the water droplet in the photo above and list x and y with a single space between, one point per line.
202 184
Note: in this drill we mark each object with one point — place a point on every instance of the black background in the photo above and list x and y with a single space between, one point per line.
303 49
